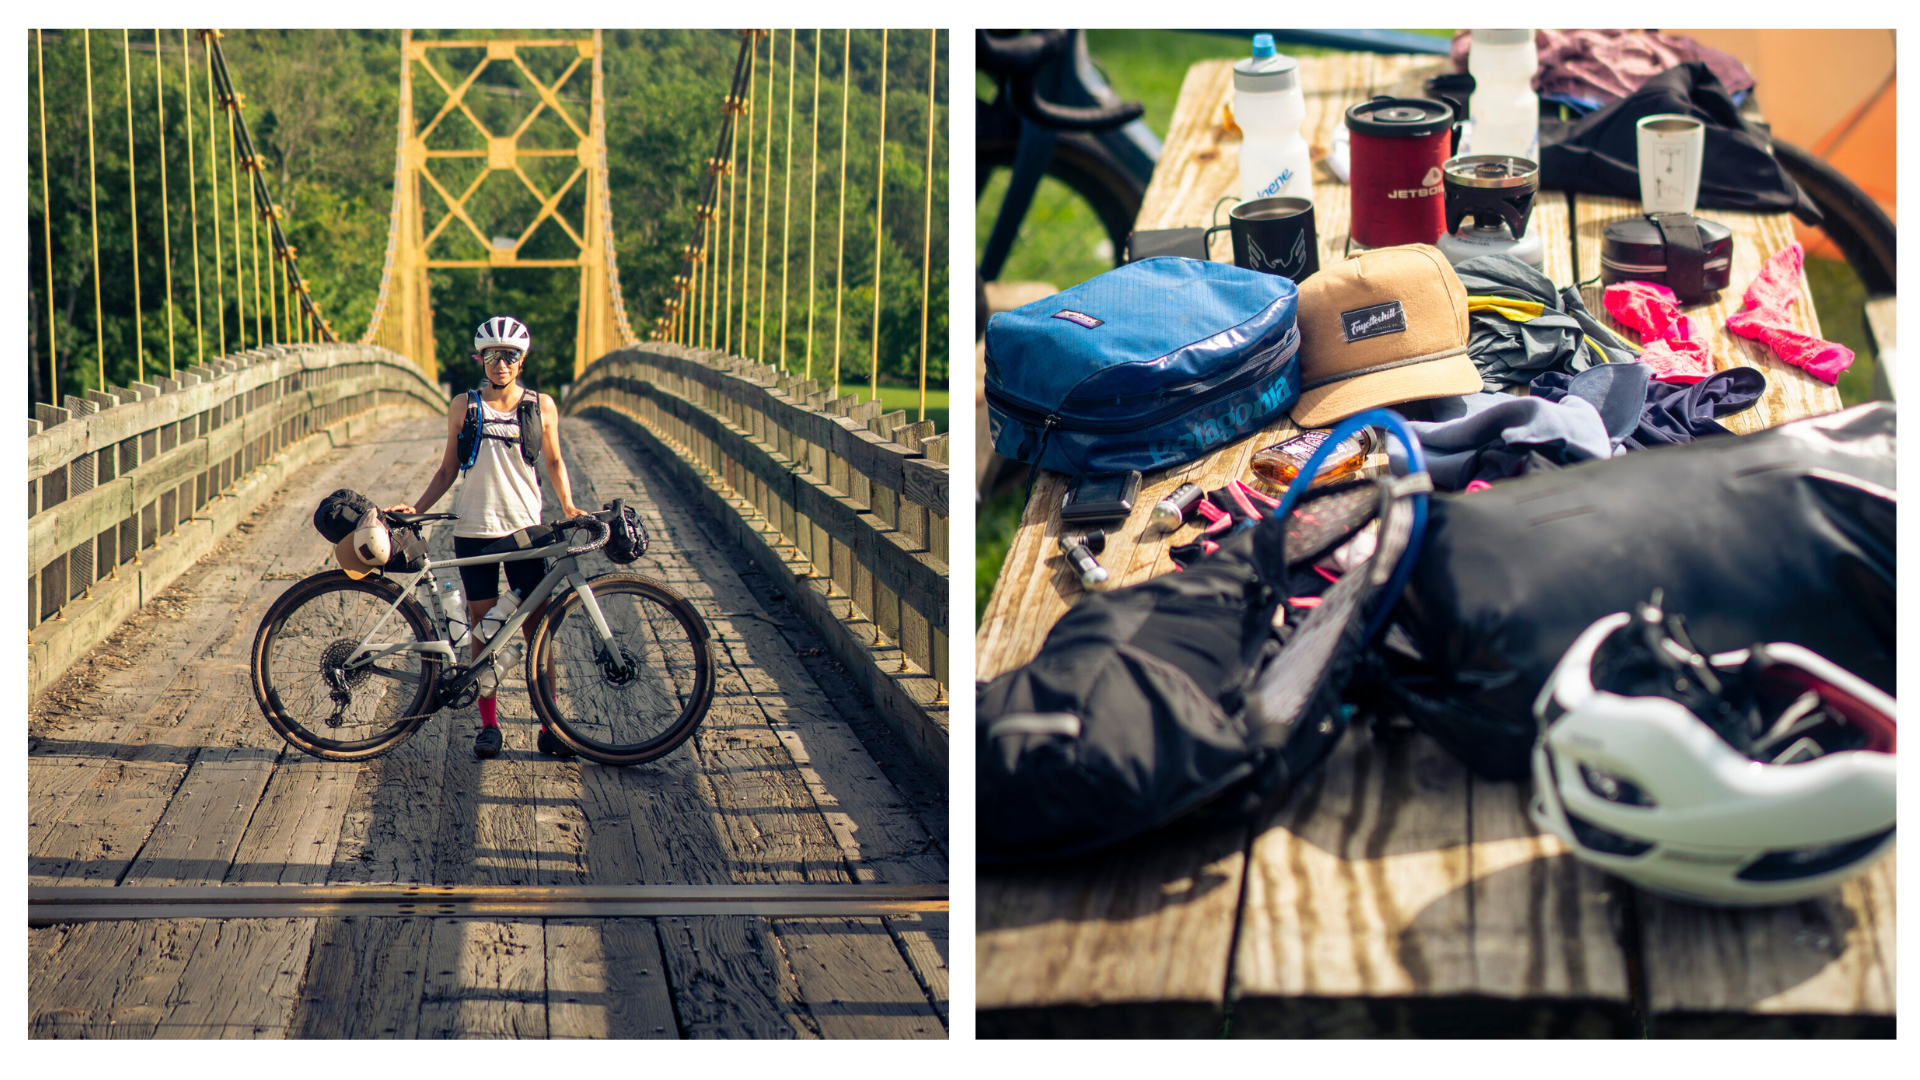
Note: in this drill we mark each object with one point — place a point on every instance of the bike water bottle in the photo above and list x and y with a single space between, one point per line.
490 624
454 606
1504 109
1269 106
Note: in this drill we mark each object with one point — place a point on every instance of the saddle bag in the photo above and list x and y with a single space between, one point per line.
1218 686
1144 367
1782 535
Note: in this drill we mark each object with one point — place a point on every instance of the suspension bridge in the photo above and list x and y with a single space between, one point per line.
782 874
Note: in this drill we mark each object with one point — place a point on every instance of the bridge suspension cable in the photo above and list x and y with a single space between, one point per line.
706 282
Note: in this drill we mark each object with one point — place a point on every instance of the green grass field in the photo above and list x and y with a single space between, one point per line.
908 398
1061 241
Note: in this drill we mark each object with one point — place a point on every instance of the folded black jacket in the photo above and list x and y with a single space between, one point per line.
1510 353
1599 152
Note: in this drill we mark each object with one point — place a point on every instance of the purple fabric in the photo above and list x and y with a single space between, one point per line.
1598 67
1676 413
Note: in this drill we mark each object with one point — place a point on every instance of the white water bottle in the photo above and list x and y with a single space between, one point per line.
1269 106
454 606
490 624
1504 109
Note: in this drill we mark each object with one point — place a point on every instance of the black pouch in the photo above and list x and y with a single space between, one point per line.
1783 535
1197 689
409 551
1690 255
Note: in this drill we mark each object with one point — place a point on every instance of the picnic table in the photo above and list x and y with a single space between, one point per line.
1394 893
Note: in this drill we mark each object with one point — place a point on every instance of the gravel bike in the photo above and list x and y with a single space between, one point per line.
619 667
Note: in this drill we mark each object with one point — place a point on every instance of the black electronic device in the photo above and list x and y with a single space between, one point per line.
1103 497
1188 243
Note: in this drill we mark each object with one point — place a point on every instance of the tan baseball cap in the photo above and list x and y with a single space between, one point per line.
1384 327
365 549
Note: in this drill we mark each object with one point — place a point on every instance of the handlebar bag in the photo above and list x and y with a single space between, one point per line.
1205 688
1144 367
1783 535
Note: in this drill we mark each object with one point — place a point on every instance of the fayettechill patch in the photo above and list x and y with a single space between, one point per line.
1082 319
1367 322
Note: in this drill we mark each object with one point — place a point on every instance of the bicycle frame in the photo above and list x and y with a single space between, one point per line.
566 568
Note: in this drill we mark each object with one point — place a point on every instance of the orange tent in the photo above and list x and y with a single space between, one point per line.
1830 92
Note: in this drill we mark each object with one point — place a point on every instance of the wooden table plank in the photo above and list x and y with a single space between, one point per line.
1791 392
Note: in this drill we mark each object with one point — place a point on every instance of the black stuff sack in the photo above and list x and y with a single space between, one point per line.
627 534
339 514
1196 689
1783 535
409 551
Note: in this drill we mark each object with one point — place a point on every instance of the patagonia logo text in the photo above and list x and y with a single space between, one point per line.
1082 319
1367 322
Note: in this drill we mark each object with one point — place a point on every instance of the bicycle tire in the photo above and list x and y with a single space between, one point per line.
643 706
322 618
1855 223
1086 167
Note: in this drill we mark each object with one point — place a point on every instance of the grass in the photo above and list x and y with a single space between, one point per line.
908 398
1061 241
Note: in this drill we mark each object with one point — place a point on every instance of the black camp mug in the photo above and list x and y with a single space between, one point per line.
1274 236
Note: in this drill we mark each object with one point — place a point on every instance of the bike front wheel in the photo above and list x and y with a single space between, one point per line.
307 686
640 698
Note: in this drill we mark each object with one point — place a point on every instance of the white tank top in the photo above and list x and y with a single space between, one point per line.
501 492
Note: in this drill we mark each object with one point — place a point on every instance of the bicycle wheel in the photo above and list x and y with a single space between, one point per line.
636 702
315 703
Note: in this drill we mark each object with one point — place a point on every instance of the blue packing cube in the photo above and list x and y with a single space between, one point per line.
1144 367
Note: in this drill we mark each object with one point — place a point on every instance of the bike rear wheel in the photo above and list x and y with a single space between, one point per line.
641 700
300 678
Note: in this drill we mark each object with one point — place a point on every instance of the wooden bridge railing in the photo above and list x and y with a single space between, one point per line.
846 503
128 488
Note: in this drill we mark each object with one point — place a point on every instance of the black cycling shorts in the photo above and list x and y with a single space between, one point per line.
483 582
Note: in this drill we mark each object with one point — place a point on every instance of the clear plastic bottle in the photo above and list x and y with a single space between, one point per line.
490 624
1504 109
454 607
1269 106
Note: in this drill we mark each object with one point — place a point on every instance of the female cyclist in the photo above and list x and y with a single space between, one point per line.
494 432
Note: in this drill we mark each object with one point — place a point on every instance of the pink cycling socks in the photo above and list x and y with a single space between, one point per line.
1673 348
489 712
1765 319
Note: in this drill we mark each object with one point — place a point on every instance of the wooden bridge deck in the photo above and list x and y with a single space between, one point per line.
1395 894
151 765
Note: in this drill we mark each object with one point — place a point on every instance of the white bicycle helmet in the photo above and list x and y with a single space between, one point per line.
502 330
1760 776
366 548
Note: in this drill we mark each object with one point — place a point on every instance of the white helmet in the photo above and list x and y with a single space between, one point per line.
502 330
369 546
1775 785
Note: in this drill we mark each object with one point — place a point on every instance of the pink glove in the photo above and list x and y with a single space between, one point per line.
1765 318
1673 350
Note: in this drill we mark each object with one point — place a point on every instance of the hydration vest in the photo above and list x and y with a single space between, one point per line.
528 413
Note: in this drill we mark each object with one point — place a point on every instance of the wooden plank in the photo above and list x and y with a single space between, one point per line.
606 980
923 940
712 958
1148 925
295 830
857 984
379 965
243 981
485 980
1829 956
1791 393
195 840
106 980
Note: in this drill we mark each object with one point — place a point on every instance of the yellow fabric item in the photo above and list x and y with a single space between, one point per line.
1527 311
1507 307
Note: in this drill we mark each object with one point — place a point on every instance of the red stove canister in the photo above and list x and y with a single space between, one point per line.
1398 145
